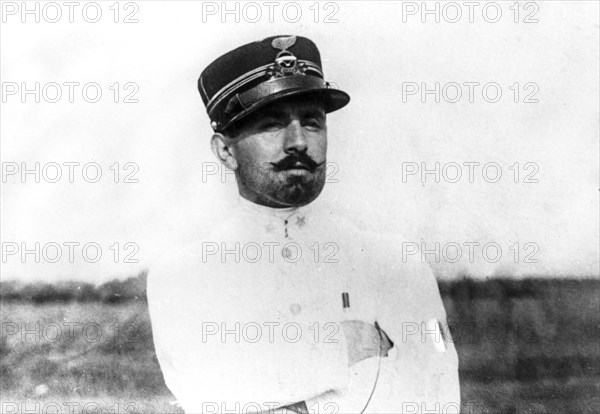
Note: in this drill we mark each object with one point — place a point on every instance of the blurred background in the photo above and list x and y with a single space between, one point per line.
526 322
527 346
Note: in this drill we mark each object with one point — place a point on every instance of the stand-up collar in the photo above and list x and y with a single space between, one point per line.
284 221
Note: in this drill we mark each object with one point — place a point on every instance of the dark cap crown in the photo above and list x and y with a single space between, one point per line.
251 76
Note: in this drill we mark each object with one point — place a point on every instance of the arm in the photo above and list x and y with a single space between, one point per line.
204 360
411 311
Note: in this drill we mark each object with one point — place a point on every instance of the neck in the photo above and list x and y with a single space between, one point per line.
262 210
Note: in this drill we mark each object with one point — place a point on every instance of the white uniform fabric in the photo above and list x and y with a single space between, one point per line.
247 319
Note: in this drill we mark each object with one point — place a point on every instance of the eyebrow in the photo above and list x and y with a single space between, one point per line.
314 112
274 113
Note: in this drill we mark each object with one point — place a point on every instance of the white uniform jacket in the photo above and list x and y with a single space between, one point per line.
247 319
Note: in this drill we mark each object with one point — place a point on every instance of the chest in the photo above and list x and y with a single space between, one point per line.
303 281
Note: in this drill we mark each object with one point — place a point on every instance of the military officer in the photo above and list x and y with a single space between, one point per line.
287 306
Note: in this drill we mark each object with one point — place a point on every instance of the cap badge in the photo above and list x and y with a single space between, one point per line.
286 64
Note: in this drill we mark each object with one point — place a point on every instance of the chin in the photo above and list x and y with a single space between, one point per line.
298 194
285 189
298 197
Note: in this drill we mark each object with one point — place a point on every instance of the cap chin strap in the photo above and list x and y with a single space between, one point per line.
270 70
271 87
277 87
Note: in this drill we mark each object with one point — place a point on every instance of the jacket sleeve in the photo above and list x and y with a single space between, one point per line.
412 313
219 350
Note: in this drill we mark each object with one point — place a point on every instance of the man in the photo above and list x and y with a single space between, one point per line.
286 306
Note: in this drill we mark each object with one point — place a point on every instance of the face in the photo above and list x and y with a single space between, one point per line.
280 153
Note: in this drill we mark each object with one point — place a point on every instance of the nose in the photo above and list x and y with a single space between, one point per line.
295 139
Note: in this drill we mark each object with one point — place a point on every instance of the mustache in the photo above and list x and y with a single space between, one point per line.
296 160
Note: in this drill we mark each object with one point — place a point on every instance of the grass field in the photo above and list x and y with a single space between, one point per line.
524 347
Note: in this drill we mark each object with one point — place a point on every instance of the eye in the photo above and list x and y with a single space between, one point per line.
271 124
314 123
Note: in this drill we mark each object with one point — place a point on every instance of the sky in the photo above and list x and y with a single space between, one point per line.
497 105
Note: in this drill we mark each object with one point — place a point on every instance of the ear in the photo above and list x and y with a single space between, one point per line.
220 146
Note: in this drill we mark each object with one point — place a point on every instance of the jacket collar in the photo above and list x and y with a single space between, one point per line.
286 221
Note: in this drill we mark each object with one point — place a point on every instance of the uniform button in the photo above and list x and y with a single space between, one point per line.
295 308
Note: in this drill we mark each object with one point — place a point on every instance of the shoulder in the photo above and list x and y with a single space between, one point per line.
338 223
394 262
184 266
389 254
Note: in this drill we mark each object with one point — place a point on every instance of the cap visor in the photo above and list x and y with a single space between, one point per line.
333 99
